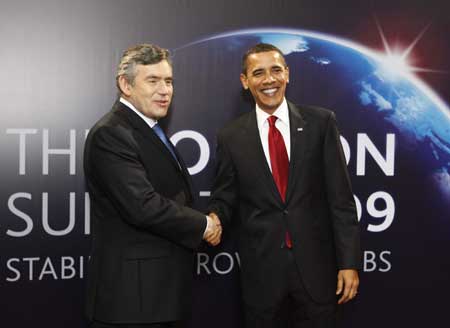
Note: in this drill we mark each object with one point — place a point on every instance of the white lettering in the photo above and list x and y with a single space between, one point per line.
202 143
229 265
385 261
22 146
377 262
67 265
46 152
386 164
387 212
87 214
20 214
31 260
369 261
45 224
48 269
202 261
17 272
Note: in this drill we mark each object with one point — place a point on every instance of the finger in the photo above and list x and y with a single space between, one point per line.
217 222
354 290
346 294
208 234
215 232
214 241
218 231
211 237
344 298
340 284
217 237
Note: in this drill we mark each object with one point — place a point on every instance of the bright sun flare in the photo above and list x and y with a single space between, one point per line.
397 62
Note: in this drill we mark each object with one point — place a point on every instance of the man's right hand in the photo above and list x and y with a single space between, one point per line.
213 232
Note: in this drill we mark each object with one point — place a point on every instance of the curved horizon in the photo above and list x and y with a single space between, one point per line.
373 54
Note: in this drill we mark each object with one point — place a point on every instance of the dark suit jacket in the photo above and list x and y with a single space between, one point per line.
319 211
143 233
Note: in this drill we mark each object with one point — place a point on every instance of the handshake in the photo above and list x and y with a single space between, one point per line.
213 231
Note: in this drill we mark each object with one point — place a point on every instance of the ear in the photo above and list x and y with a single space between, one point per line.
124 86
244 82
287 74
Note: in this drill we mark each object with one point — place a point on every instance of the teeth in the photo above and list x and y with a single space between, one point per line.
269 91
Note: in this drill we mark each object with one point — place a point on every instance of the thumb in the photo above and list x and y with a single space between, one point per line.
340 284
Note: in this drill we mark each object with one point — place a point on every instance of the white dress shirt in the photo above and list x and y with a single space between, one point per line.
150 122
282 124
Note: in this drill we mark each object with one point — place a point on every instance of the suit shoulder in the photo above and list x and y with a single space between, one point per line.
315 112
235 125
110 126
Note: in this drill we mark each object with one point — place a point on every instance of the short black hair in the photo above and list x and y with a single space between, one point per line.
260 47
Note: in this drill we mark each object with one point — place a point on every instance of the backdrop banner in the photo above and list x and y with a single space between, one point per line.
381 66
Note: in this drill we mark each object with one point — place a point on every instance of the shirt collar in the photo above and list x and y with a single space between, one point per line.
281 112
150 122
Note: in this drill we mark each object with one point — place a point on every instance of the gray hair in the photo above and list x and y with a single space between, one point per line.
143 54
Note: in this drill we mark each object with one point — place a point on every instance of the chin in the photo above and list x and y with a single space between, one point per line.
270 107
160 113
163 115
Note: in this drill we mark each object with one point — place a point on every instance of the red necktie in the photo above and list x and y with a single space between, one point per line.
280 164
278 157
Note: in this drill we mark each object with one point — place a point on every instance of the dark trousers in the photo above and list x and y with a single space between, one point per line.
98 324
296 309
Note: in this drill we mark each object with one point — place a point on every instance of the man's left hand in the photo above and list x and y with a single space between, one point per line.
348 282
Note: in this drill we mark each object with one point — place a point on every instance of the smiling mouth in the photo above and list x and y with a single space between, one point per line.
270 92
162 102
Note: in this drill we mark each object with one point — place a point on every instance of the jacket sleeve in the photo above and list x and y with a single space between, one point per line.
112 162
225 188
340 200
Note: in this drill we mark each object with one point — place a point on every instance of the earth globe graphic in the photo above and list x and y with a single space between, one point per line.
372 100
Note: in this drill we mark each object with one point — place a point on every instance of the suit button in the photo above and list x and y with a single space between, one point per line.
285 212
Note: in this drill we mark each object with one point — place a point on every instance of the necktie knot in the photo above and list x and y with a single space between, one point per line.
159 132
162 136
272 119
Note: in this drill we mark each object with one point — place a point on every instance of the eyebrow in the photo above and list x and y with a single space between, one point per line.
278 66
271 67
158 77
257 70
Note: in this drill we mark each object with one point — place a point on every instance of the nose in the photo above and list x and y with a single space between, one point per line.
268 78
163 88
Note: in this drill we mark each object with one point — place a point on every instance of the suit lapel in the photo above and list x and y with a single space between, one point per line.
137 123
186 175
256 151
298 132
147 132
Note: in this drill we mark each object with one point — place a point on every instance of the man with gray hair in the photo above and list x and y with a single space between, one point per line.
143 233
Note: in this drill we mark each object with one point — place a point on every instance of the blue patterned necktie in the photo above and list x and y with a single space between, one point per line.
160 133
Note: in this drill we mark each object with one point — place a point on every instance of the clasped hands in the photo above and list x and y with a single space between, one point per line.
213 232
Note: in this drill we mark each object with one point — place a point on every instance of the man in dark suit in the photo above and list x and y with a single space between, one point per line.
281 172
143 232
